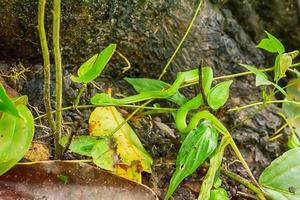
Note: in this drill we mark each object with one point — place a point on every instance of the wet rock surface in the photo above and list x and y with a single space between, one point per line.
147 32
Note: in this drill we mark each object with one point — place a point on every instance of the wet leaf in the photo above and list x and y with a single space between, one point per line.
37 152
146 85
16 134
94 66
271 44
195 149
280 180
218 95
66 180
132 158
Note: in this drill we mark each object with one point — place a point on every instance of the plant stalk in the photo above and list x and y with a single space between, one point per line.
182 40
58 73
46 60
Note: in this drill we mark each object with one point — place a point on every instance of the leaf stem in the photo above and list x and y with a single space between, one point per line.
182 40
79 95
245 182
58 73
46 60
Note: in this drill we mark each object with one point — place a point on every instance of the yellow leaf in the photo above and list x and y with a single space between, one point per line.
132 157
37 152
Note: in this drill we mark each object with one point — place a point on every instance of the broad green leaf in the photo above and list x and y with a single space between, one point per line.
219 194
82 145
195 149
281 179
132 157
213 171
16 134
102 155
207 78
271 44
218 95
98 148
6 104
147 85
94 66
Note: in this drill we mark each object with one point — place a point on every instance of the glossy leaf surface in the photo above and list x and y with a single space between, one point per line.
195 149
16 134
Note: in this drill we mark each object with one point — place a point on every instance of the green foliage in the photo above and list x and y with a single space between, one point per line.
207 78
280 180
195 149
94 66
16 134
271 44
292 112
95 147
63 178
218 95
218 194
6 104
211 176
148 85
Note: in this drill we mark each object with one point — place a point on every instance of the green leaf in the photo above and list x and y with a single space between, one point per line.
82 145
16 134
271 44
207 78
294 141
147 85
213 171
219 194
63 178
94 66
281 179
218 95
6 104
103 154
195 149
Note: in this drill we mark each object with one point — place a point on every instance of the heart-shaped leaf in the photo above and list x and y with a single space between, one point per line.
281 179
218 95
271 44
195 149
16 134
94 66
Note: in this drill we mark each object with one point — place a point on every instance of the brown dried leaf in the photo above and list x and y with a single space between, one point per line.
43 181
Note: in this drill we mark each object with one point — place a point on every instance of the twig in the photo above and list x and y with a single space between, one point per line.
182 40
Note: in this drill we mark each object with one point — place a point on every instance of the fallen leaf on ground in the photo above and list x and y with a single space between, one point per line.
37 152
132 158
67 180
